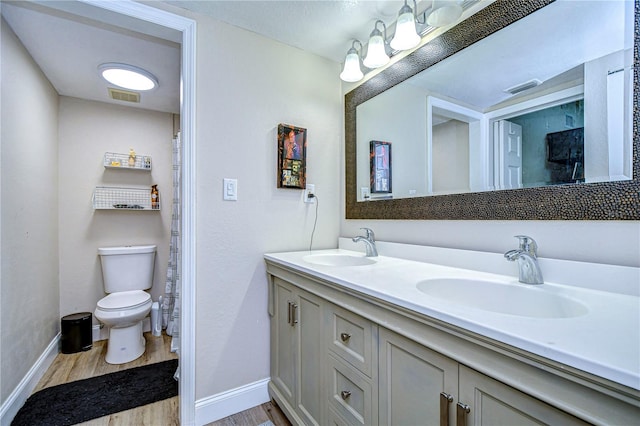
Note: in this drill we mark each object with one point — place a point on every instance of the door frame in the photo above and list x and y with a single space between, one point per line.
188 209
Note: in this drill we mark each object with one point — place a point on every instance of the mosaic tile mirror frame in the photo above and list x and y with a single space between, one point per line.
576 201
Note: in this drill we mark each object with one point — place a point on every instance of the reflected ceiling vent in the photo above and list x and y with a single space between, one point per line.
124 95
523 86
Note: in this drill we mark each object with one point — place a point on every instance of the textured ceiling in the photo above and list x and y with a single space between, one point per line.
69 48
68 40
325 28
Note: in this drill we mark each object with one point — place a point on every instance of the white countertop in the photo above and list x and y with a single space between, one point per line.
605 341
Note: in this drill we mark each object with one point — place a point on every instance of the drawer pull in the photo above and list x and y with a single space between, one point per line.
345 337
445 400
345 394
461 414
294 314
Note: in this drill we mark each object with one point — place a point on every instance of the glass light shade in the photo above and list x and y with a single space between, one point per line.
406 36
351 71
376 54
128 76
444 12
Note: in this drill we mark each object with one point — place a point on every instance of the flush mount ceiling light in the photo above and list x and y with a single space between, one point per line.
128 76
376 50
352 71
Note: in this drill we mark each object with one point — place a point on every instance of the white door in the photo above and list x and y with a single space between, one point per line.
509 142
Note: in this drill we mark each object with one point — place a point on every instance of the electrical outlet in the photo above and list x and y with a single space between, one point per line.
365 195
310 190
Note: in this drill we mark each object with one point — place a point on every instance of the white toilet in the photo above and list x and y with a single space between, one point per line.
127 272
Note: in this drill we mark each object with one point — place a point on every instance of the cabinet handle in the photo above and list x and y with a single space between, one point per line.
461 414
289 313
294 315
345 337
345 394
445 400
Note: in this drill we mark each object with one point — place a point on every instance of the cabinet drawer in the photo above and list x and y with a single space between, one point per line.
350 394
352 338
336 419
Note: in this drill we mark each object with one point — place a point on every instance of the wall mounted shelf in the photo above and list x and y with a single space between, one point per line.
114 160
123 198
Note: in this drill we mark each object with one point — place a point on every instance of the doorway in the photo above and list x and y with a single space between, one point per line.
187 116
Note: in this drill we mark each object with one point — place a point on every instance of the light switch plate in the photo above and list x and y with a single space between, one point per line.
230 189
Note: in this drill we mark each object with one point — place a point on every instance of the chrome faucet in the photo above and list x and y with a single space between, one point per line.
527 257
370 242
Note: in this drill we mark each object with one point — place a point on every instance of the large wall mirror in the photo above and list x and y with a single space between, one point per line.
525 110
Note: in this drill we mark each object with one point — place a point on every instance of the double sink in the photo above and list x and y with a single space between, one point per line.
502 296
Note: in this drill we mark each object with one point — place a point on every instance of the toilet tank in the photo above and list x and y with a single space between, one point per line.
127 268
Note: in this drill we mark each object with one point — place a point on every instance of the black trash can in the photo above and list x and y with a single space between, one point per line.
76 332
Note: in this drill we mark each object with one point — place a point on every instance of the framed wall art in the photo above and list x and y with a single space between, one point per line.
380 159
292 156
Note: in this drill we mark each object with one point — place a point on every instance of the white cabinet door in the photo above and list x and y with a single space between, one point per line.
283 348
411 378
311 355
297 351
493 403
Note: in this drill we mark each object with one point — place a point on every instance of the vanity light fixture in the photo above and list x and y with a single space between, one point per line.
440 13
352 71
406 36
444 12
128 76
376 49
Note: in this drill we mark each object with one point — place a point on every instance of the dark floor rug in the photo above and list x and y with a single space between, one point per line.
87 399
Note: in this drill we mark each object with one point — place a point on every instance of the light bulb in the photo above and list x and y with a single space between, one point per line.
351 71
376 54
444 13
406 36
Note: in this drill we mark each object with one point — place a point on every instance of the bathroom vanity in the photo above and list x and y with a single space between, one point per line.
361 340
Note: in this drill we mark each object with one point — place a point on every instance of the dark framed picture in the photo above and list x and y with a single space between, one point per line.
292 156
380 160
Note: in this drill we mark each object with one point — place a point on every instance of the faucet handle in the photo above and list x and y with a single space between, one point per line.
528 244
370 235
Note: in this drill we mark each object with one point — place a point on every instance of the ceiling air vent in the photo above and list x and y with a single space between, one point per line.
124 95
523 86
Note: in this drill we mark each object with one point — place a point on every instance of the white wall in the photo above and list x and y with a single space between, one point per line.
450 157
246 85
614 242
87 130
29 314
596 153
405 107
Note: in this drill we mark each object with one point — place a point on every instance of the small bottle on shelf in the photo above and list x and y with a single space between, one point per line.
132 158
155 198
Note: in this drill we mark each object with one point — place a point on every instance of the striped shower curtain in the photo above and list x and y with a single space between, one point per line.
171 300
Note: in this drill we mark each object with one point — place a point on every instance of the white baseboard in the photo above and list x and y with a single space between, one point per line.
28 383
100 332
224 404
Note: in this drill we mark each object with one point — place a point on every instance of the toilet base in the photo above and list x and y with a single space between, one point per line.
125 344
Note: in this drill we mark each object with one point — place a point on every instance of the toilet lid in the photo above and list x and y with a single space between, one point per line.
124 300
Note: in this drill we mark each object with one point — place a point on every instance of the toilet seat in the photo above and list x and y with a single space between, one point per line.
124 300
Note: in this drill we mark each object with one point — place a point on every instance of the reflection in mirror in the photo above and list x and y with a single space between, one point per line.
513 110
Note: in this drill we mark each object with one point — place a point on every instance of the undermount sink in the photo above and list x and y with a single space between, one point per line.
505 298
338 259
